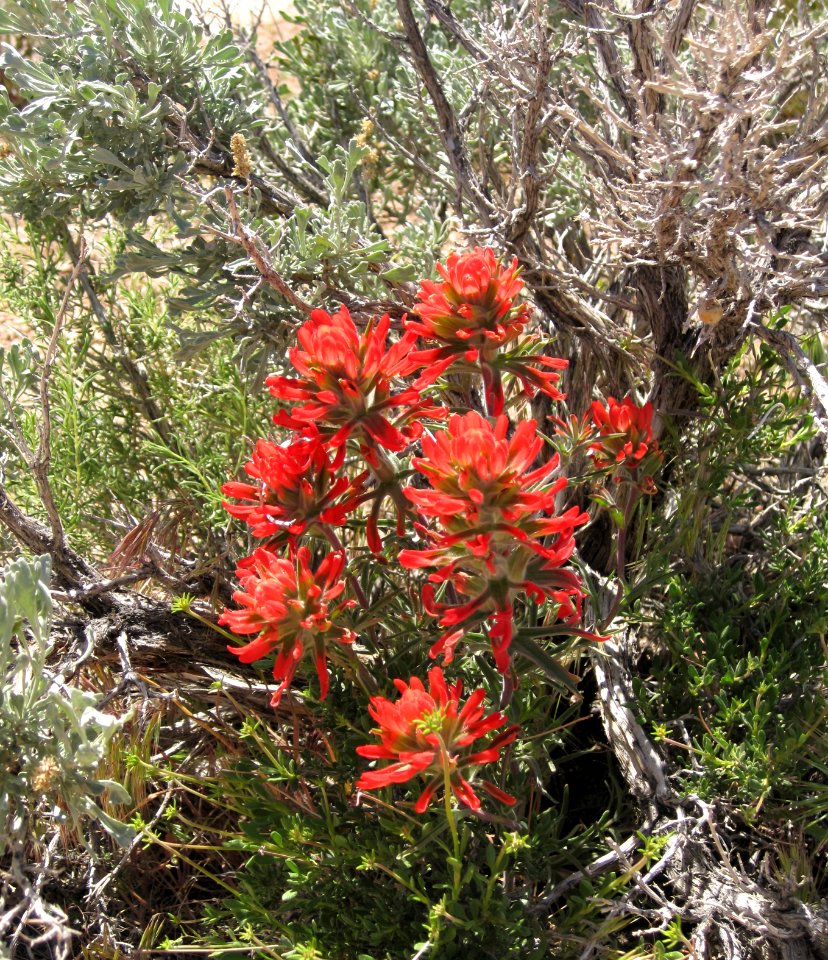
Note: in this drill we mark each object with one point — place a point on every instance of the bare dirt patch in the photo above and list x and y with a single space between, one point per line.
12 329
266 16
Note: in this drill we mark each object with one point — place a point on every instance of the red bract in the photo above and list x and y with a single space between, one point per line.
474 308
297 487
481 479
474 317
625 433
535 373
290 608
428 734
494 543
345 383
494 581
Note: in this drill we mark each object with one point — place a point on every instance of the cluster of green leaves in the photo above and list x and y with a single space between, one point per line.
355 85
52 737
91 136
736 605
117 461
320 249
125 104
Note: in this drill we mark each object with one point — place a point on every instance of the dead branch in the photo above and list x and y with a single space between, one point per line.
455 29
253 248
38 462
467 181
801 368
641 764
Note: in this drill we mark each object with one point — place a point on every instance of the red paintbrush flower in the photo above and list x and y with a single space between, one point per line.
290 607
297 487
474 308
345 383
493 582
493 543
481 479
474 317
428 734
625 432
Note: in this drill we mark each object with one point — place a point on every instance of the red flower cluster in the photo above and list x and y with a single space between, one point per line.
625 432
474 316
345 389
474 308
346 381
291 608
298 486
494 542
428 734
490 522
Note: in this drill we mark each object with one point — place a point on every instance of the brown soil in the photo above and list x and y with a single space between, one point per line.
267 15
12 330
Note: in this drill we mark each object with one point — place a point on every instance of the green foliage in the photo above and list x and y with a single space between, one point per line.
321 867
125 104
93 130
52 737
739 622
120 461
751 648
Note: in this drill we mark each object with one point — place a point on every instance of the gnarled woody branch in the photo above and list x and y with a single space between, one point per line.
252 247
450 134
73 572
128 627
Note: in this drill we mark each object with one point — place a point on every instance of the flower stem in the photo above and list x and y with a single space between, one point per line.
359 593
386 474
491 379
213 626
336 543
455 839
364 678
507 690
621 556
487 895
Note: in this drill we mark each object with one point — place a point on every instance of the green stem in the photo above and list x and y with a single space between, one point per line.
487 895
389 479
213 626
621 556
404 883
455 839
359 593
